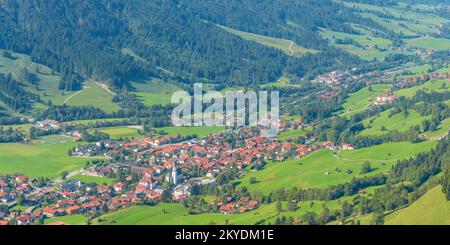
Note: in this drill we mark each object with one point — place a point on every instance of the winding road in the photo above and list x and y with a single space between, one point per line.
290 48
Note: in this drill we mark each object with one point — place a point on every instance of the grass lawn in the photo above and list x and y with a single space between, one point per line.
19 208
361 39
69 219
120 132
431 43
23 127
431 209
294 133
278 43
399 12
176 214
444 69
40 159
398 122
154 92
436 86
48 85
202 131
366 46
92 179
442 130
93 95
319 169
360 100
92 121
413 71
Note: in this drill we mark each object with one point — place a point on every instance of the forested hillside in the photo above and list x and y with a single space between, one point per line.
115 41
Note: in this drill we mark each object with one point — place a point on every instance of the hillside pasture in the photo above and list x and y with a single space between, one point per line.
436 86
201 131
383 123
154 91
39 159
120 132
431 43
92 179
92 95
430 209
287 46
176 214
325 167
361 100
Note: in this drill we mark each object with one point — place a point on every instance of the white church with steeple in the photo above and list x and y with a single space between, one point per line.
175 178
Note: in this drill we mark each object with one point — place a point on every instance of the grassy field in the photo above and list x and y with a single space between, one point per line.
120 132
323 168
287 46
361 100
412 22
40 159
431 43
436 86
127 132
294 133
442 130
175 214
413 71
154 92
366 46
48 82
93 95
69 219
444 69
398 122
93 179
91 121
48 85
199 131
431 209
282 82
364 40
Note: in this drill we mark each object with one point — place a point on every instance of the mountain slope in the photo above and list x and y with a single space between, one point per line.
431 209
174 39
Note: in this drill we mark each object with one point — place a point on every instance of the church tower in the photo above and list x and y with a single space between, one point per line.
174 174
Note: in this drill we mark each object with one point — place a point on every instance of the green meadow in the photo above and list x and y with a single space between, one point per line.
411 21
399 121
127 131
365 40
154 91
93 95
431 43
280 83
201 131
176 214
120 132
442 130
287 46
431 209
361 99
292 134
48 81
436 86
92 121
325 167
444 69
39 159
92 179
413 71
69 219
